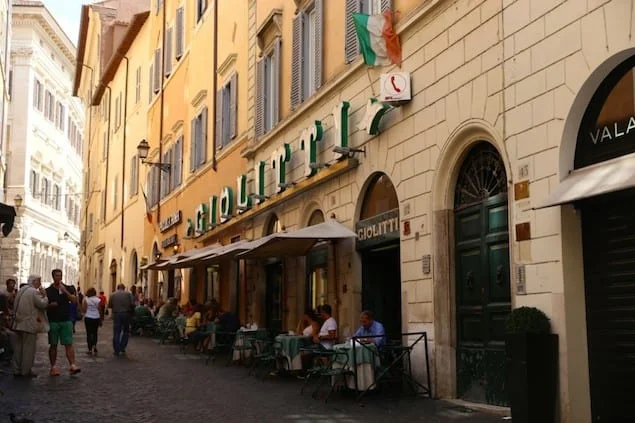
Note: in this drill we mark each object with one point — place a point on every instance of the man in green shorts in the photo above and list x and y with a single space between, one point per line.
61 328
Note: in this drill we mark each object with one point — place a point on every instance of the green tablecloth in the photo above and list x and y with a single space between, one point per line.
364 354
291 344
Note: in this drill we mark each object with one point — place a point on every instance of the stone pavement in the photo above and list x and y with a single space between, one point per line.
155 383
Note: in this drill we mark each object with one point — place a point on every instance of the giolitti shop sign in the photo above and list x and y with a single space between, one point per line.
378 229
220 209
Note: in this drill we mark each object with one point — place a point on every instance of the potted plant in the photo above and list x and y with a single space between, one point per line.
532 366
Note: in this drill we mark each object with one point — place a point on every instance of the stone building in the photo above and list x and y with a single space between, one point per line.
44 145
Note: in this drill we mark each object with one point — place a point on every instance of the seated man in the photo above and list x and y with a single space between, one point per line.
372 328
228 321
168 310
328 331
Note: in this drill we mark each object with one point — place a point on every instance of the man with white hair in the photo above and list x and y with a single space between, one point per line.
30 303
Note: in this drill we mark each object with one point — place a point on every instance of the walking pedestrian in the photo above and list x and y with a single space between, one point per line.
30 303
122 305
93 316
60 297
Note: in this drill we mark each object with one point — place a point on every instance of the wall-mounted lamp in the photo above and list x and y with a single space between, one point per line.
17 201
175 248
142 152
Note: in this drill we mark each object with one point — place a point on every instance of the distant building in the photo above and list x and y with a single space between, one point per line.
7 212
44 147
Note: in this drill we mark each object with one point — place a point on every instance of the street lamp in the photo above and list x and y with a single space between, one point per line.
142 152
17 201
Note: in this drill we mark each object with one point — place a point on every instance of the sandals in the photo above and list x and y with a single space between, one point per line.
55 371
74 369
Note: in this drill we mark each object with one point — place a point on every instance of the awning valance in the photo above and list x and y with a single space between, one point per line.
203 254
602 178
298 243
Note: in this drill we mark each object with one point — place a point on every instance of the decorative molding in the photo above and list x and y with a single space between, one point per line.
22 52
177 126
198 98
227 64
270 29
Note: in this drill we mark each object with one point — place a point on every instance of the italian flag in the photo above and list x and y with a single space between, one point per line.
378 41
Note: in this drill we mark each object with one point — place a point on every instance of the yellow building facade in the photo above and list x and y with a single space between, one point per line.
111 78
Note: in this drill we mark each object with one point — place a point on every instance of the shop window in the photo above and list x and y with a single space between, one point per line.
380 197
273 225
316 218
607 130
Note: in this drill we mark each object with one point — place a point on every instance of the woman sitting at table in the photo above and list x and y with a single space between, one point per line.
308 325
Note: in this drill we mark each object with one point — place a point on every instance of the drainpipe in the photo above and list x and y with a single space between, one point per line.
214 82
123 162
5 73
161 76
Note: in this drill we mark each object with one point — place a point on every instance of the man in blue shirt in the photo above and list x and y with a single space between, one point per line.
370 327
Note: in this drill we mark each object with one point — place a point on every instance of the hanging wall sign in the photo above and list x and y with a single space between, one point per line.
378 229
170 221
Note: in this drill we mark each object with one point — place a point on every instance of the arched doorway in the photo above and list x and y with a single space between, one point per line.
483 292
274 282
134 272
607 132
113 275
317 268
379 245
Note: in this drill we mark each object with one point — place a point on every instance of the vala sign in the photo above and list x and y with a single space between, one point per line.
219 210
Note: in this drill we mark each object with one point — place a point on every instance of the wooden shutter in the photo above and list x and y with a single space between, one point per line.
319 25
178 162
168 52
179 32
35 94
203 144
259 119
157 70
193 142
150 77
296 62
218 124
385 5
233 110
275 89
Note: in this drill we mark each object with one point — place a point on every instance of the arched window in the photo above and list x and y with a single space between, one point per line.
273 225
482 176
380 197
316 218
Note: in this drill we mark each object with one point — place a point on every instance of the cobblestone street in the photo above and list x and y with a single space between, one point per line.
161 384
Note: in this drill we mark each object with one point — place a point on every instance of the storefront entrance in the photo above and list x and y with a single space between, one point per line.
608 233
378 242
273 305
483 297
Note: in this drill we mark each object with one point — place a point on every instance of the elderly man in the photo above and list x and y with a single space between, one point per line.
370 330
30 303
121 302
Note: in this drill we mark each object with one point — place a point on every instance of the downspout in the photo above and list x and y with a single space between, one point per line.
105 211
5 73
214 82
161 76
123 162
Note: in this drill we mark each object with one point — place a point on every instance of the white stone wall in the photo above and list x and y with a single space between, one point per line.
45 238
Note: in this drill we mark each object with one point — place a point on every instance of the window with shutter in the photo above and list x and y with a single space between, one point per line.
203 144
177 165
168 52
157 70
259 121
306 61
150 84
201 7
233 107
218 123
193 143
180 27
115 188
138 86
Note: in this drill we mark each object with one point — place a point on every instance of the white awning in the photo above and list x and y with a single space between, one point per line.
602 178
220 252
298 243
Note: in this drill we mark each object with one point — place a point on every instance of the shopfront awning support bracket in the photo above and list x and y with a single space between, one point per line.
286 185
318 166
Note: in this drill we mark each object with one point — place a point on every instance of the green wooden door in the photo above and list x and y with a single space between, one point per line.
381 287
483 299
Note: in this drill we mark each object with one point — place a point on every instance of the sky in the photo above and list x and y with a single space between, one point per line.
67 14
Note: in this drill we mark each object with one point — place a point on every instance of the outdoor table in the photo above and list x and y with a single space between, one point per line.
242 345
366 360
291 345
